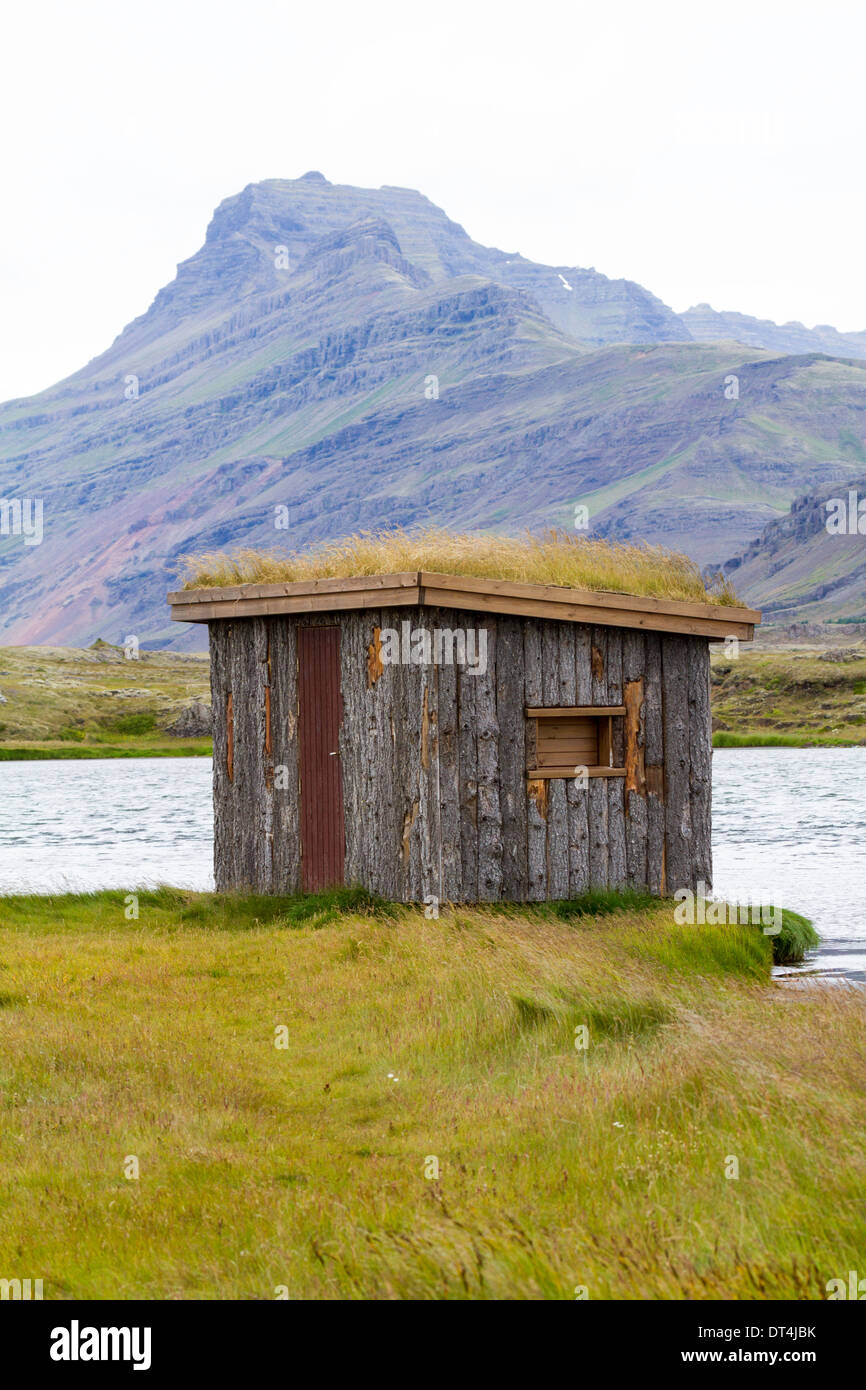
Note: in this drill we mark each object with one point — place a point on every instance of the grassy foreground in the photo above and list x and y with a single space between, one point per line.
413 1048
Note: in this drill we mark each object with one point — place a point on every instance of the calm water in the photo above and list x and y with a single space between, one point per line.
788 826
109 823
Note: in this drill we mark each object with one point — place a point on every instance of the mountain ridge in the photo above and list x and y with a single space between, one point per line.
709 325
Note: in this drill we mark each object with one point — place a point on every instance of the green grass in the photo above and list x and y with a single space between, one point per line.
796 936
414 1044
129 748
761 739
597 902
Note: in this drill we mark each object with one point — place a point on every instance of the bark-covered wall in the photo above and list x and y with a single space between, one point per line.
434 760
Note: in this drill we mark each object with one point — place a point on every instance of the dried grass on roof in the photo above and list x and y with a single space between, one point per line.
555 557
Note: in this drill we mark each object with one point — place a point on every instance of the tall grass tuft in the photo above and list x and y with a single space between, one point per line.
795 937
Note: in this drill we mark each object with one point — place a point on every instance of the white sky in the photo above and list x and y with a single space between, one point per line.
711 151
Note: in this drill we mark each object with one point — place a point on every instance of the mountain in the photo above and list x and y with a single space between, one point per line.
810 565
305 214
350 358
707 326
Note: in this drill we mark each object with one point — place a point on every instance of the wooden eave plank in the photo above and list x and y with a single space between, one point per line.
566 612
407 588
302 603
554 593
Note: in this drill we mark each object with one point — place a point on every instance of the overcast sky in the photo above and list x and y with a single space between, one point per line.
712 152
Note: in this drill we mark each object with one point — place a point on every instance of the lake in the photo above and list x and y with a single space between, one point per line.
788 826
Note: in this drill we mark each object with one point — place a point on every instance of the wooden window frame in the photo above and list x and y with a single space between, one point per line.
604 716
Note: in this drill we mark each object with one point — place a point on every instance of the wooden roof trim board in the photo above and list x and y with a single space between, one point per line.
574 711
297 588
605 598
421 587
204 611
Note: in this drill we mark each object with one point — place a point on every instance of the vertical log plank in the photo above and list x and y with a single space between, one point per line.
577 793
678 830
512 756
557 801
700 763
536 839
598 804
635 804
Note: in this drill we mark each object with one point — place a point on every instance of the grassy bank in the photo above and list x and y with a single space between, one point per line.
68 702
789 698
412 1045
110 747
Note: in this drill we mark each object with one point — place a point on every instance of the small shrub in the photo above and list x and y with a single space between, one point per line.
134 724
796 937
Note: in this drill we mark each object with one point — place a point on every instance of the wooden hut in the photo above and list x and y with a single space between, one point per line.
449 739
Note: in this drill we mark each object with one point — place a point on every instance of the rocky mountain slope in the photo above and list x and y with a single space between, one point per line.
809 566
707 326
334 358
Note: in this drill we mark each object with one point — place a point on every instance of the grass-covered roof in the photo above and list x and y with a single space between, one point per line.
556 557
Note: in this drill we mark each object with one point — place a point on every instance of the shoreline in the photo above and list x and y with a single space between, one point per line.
178 748
203 748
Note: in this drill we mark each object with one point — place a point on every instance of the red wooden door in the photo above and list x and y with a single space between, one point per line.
320 710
